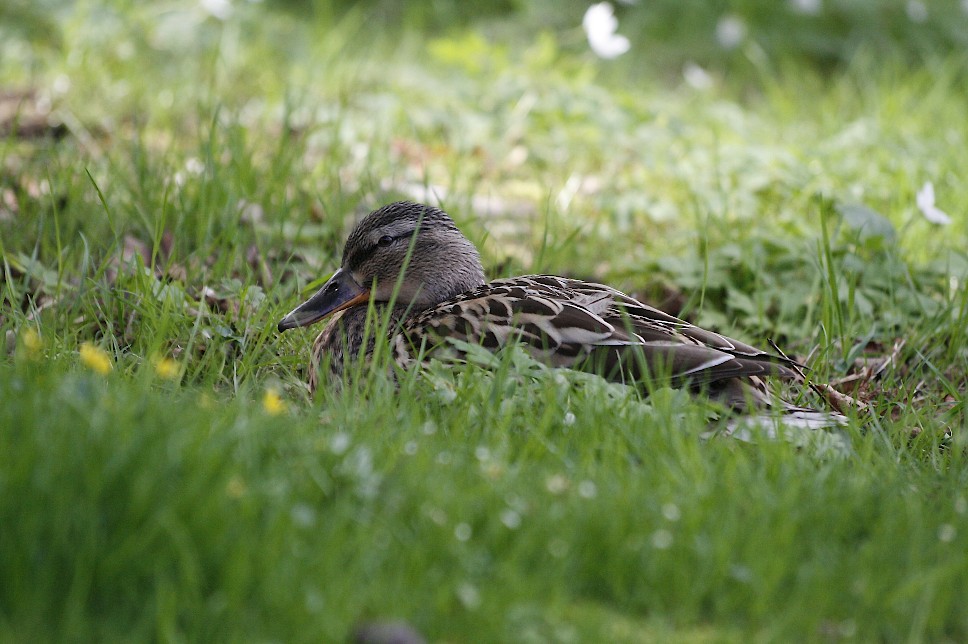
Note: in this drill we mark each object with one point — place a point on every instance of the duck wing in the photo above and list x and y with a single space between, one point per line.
571 323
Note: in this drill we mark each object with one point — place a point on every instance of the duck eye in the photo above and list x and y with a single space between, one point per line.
384 241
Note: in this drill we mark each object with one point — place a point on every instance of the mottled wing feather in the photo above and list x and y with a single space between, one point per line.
570 323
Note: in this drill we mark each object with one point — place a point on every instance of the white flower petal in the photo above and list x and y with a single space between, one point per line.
807 7
917 11
925 202
936 216
600 20
220 9
925 196
730 31
612 47
696 77
600 24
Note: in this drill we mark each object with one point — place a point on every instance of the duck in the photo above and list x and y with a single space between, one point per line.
424 277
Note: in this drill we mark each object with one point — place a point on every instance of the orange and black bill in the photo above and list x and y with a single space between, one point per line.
340 292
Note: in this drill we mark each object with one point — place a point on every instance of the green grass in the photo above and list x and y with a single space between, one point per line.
142 512
205 183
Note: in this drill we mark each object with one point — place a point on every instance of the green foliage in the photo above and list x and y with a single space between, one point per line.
822 33
425 16
825 34
167 513
30 21
185 179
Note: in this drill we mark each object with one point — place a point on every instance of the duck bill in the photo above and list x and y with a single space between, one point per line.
340 292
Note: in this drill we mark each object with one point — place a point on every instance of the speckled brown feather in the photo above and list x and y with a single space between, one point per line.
575 324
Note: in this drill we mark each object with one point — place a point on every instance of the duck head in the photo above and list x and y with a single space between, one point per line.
406 252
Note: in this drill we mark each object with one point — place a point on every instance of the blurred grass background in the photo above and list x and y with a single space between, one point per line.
174 176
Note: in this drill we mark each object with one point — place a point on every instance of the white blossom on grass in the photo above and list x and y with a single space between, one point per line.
469 596
730 31
557 484
339 443
661 539
917 11
511 519
696 77
194 165
671 512
925 201
219 9
947 533
600 24
807 7
558 548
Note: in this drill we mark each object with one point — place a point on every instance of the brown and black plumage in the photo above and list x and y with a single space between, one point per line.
413 260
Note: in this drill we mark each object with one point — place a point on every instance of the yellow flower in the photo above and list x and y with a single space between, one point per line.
31 341
236 487
166 368
96 359
273 403
492 470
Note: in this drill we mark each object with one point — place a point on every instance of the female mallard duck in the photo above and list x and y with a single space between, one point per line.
441 302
